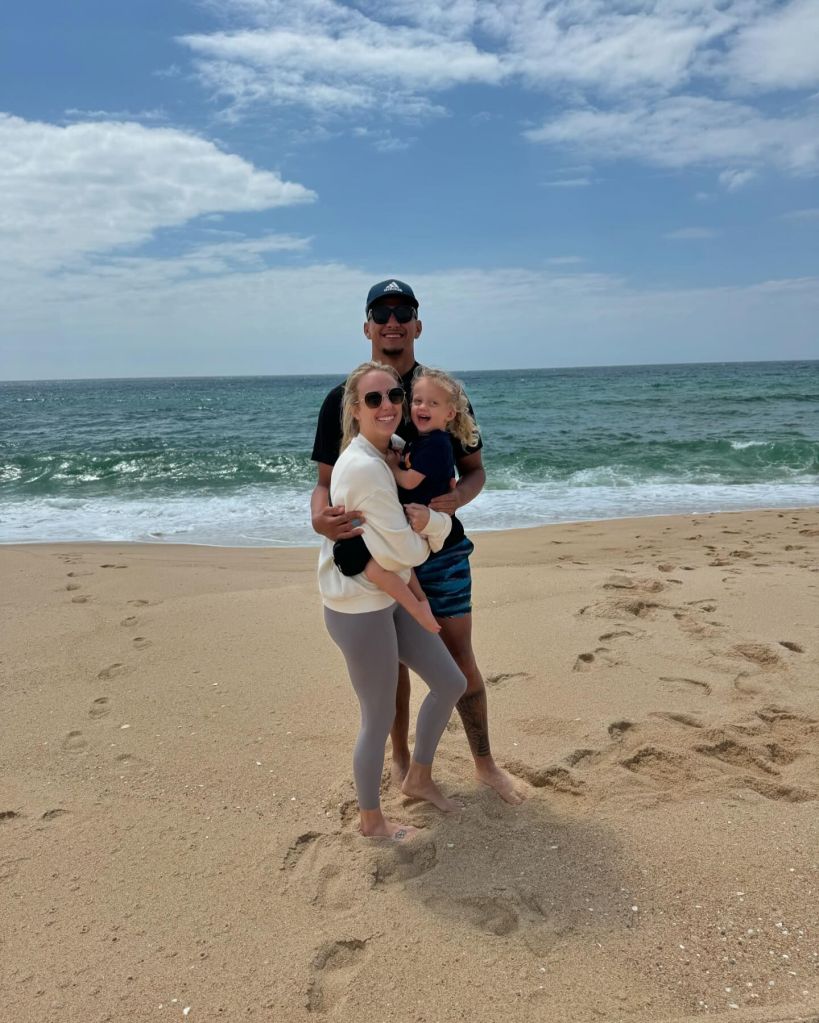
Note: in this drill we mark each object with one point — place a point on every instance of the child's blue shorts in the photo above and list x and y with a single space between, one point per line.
447 581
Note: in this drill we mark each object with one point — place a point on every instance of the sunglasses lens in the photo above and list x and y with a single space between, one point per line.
382 313
373 399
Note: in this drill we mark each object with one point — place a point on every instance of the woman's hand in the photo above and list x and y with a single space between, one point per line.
417 516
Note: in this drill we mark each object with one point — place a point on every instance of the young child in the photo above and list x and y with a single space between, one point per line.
423 470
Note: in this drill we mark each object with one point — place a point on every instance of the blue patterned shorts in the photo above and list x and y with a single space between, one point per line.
447 581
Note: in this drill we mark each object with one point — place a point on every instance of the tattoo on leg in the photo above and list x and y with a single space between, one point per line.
472 708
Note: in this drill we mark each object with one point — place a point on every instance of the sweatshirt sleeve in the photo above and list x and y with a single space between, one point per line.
387 534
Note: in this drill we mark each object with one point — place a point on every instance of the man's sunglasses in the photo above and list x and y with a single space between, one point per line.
373 399
381 314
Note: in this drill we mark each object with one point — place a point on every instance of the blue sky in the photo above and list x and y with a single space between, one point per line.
210 187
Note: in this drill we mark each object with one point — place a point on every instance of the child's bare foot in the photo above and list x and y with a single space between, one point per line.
422 613
506 786
418 784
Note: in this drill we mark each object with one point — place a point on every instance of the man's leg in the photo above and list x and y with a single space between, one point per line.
472 707
399 733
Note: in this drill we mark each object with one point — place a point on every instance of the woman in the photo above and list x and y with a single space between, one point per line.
371 630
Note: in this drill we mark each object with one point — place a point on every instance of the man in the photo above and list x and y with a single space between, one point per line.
392 327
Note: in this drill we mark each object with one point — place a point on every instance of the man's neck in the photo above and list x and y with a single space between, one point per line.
402 363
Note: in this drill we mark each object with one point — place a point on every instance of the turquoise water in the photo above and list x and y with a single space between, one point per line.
227 460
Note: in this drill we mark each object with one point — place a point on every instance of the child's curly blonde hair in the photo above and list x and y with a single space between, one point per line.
462 425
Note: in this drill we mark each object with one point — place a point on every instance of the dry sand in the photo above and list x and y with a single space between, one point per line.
177 821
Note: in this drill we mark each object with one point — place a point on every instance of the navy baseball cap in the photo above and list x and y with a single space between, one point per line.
391 288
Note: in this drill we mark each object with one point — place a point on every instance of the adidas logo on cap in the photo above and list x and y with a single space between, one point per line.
392 286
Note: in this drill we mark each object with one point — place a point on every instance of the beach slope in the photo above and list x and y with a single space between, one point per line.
177 819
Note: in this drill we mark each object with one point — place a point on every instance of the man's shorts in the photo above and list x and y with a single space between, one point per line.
447 581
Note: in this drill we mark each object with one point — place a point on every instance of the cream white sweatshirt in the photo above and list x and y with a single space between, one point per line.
362 479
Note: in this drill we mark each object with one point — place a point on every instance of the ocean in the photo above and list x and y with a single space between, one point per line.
226 461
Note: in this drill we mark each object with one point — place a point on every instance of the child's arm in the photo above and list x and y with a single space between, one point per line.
408 479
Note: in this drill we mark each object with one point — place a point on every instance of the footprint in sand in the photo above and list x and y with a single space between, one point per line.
704 687
8 815
788 645
130 621
143 603
140 642
555 777
110 565
505 676
598 659
618 634
112 671
334 969
79 600
72 586
678 719
74 742
491 914
51 815
100 707
763 656
617 729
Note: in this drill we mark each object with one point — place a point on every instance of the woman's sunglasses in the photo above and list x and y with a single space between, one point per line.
381 314
373 399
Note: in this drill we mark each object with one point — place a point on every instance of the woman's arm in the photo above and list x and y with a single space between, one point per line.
387 534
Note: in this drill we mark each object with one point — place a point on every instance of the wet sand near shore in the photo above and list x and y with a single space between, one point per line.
178 824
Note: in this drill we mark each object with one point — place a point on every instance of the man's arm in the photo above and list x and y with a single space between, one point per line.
332 521
471 478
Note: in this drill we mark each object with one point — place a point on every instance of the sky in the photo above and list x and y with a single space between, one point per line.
209 187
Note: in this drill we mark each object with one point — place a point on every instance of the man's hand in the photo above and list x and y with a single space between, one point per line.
447 503
336 523
417 516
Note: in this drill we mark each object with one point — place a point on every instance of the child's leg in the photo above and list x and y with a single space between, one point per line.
395 587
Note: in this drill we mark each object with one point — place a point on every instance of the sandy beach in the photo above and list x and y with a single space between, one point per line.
177 819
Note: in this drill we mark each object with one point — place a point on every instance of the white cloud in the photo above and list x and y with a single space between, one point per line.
733 179
90 188
684 131
568 183
253 320
812 213
692 234
342 63
650 81
780 50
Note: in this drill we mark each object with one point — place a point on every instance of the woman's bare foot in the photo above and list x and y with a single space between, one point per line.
418 784
373 824
508 788
422 613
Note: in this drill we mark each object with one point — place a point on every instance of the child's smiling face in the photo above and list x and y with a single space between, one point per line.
432 406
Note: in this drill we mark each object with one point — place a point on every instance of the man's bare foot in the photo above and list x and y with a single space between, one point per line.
419 785
422 613
508 788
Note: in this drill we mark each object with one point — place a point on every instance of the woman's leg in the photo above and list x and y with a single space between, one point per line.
429 658
368 643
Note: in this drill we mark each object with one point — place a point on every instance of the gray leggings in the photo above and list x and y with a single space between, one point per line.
373 644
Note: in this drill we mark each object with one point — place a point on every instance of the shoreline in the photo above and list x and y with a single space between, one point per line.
162 544
178 818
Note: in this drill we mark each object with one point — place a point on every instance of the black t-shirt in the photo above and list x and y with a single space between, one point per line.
431 455
328 428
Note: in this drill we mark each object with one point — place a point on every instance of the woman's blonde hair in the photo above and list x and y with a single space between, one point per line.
462 425
349 424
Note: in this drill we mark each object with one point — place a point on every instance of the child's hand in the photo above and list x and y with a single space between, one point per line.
393 459
417 516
